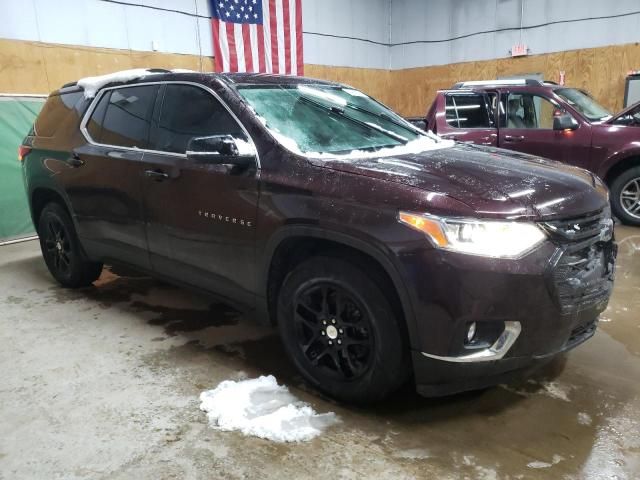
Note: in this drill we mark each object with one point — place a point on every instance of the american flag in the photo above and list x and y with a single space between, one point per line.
258 36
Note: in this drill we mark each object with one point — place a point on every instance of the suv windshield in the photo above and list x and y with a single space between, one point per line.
327 119
584 104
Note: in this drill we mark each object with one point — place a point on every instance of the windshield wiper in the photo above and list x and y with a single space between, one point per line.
385 116
340 112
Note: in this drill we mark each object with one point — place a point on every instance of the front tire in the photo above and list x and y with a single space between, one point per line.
340 331
61 249
625 196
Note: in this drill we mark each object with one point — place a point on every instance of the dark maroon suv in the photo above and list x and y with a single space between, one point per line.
550 121
383 253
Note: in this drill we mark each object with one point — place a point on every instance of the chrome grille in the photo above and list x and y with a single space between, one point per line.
576 229
582 271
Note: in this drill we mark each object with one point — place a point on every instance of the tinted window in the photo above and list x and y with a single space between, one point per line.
55 112
123 117
525 110
467 111
94 125
189 112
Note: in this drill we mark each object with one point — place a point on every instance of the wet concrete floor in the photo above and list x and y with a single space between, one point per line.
103 383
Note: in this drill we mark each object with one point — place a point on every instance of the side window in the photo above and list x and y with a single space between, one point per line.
94 125
467 111
525 110
55 112
122 117
189 111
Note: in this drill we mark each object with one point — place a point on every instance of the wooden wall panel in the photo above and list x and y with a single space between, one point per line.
600 71
374 82
33 67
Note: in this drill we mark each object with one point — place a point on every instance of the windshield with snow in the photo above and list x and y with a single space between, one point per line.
584 104
328 119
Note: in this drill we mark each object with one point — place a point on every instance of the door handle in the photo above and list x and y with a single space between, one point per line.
157 175
512 138
75 161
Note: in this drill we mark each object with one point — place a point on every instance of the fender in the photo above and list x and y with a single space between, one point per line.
628 152
54 188
369 248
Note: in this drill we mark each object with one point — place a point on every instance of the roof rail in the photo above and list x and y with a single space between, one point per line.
506 83
158 70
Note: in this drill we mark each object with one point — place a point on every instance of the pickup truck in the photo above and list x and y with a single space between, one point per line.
547 120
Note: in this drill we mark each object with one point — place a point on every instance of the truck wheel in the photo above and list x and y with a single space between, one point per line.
62 251
625 196
341 332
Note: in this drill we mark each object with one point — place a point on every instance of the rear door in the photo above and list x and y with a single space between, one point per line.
105 184
468 117
526 125
200 217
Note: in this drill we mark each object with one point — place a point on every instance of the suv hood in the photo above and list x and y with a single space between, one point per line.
491 182
621 113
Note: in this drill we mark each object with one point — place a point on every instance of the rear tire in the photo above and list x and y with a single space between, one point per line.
625 196
62 251
339 329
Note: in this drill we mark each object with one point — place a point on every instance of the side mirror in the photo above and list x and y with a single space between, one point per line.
564 122
218 149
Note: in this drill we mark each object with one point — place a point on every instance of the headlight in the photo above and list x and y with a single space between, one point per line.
489 238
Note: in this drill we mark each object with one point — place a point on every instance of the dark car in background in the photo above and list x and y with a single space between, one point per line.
382 252
551 121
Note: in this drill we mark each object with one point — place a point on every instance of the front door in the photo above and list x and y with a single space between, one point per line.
527 126
200 217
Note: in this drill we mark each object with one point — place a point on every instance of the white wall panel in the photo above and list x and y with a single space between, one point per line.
362 20
63 21
19 20
111 30
415 20
357 33
103 24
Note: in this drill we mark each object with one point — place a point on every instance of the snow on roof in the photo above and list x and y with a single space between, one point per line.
91 85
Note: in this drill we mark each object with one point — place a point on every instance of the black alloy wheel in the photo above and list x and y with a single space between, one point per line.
333 330
62 251
57 247
340 330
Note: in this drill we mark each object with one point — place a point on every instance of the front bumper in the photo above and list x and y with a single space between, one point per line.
545 303
439 377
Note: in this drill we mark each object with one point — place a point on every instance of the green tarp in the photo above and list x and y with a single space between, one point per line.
17 114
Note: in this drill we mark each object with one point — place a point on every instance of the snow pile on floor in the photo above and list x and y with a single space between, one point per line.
262 408
91 85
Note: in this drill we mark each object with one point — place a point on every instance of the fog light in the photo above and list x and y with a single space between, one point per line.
471 332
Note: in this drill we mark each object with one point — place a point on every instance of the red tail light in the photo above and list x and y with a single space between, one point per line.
23 151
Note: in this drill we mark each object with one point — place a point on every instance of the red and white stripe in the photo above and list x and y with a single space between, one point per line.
274 47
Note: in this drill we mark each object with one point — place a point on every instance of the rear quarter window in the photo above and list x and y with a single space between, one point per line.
56 112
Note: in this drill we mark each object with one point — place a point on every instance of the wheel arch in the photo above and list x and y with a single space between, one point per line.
620 165
40 197
296 243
